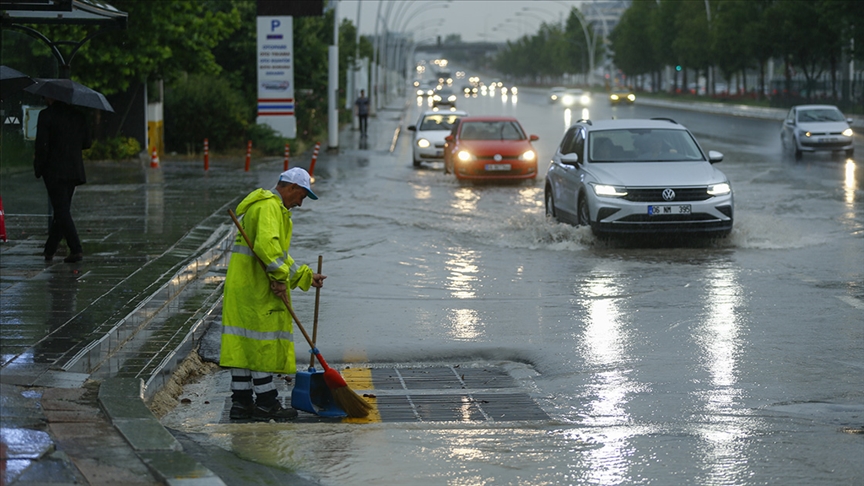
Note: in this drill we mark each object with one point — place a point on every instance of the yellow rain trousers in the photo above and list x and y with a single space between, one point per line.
256 326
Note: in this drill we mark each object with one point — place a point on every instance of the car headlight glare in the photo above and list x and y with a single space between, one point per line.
452 98
567 100
609 191
847 132
614 97
514 90
806 134
585 99
423 143
719 189
528 156
465 156
631 97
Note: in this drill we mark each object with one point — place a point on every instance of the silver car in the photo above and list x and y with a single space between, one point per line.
637 176
429 133
811 128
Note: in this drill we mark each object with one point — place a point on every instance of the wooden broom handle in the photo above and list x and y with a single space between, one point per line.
315 320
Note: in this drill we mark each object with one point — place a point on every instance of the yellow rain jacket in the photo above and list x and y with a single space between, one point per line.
256 326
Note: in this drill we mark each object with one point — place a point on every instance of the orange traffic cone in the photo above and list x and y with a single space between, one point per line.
2 222
154 159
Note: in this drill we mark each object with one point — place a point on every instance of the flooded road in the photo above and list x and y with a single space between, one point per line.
739 361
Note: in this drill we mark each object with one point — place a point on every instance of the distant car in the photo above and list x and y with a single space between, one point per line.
444 97
812 128
429 133
490 148
622 96
635 177
575 97
556 93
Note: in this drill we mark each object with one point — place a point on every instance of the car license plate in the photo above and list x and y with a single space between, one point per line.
664 210
439 153
491 167
827 140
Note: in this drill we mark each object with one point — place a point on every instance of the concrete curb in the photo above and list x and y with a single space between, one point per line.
122 399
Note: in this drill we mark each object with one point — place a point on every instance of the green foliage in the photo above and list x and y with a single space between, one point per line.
199 107
266 140
116 148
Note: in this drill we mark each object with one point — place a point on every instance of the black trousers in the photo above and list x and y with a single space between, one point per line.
363 120
62 227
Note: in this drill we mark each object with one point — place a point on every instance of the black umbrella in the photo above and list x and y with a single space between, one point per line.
13 80
70 92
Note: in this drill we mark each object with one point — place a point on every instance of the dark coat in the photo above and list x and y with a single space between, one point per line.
62 132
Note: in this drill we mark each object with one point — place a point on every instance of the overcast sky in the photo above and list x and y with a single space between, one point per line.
474 20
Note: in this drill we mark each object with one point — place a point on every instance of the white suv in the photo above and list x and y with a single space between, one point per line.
637 176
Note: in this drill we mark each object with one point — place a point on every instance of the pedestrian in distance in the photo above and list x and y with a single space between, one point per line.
257 330
62 133
362 108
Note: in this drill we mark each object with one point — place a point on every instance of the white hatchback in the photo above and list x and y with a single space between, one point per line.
637 177
429 133
811 128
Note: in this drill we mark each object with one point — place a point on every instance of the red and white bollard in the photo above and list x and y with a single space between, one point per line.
154 159
314 158
248 154
206 155
287 154
2 236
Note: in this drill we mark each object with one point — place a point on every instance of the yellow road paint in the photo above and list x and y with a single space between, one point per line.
361 379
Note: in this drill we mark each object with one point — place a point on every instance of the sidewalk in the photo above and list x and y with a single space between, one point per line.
85 347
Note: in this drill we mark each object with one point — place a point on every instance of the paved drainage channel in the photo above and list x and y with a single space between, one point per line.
434 394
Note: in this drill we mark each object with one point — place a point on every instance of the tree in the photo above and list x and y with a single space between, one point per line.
631 40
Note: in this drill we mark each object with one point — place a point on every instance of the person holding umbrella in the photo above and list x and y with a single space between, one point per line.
62 132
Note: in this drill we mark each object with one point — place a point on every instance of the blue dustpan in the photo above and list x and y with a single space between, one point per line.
312 395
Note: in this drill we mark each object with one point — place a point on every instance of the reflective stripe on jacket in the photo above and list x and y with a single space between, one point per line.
256 326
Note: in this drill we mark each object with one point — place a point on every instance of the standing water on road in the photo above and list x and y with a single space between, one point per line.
736 361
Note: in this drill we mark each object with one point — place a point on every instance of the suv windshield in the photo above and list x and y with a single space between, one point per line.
642 145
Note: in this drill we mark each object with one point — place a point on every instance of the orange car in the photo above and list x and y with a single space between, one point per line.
490 148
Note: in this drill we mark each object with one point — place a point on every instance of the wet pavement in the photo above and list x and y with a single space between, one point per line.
84 346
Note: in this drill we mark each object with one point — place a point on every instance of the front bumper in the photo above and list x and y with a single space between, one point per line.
616 215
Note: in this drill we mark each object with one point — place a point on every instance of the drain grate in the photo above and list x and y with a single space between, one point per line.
438 394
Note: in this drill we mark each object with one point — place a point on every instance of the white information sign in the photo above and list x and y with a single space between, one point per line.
276 74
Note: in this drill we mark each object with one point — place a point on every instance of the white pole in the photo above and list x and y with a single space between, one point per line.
333 84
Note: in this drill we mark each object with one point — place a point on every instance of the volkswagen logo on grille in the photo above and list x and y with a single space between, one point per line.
668 195
497 158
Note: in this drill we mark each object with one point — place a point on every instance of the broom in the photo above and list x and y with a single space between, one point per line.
348 400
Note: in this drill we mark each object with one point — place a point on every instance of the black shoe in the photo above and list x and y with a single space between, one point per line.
240 411
274 412
48 256
74 257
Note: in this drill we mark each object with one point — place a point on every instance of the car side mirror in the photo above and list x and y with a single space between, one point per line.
448 138
790 122
849 121
714 156
412 128
570 159
533 138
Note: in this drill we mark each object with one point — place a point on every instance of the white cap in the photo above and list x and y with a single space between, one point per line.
299 176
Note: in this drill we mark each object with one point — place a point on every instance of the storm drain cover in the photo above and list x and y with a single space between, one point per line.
432 394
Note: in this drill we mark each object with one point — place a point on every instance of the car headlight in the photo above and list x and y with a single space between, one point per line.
554 97
609 191
436 98
614 97
567 100
513 90
719 189
631 97
585 99
423 143
465 156
806 134
847 132
452 98
420 92
528 156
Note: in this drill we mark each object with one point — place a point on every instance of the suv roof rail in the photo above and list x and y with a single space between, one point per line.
666 119
584 120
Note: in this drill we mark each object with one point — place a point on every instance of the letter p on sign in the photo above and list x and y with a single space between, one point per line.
274 24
